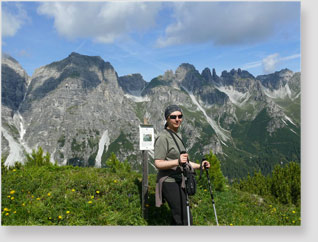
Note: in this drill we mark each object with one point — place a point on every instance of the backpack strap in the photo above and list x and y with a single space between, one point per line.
174 139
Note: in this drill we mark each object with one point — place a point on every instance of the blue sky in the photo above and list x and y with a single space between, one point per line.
152 37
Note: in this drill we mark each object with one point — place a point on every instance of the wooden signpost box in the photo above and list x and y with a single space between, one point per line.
146 143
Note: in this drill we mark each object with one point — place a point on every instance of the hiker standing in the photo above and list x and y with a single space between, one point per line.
168 160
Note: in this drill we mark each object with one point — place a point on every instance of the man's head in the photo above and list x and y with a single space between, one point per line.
173 115
170 109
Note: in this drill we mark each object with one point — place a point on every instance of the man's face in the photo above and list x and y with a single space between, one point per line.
175 120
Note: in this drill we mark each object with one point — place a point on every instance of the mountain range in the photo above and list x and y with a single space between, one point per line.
80 111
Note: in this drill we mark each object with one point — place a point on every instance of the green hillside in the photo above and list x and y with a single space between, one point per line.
255 149
45 194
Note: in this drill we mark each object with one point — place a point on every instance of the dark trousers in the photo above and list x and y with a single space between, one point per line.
176 198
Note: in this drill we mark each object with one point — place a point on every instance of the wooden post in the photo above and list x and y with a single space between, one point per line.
145 184
144 199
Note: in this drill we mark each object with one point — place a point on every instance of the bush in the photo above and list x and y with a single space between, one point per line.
37 158
215 173
283 185
116 166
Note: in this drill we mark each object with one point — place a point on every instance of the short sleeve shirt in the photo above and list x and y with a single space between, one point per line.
166 148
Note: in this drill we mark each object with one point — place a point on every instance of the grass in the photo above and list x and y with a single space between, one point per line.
52 195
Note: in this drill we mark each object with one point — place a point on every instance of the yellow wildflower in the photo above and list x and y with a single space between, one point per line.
23 204
294 211
97 192
38 198
60 217
205 190
14 170
12 192
92 197
6 209
89 202
115 181
15 212
49 194
7 214
231 224
67 212
9 196
12 198
73 190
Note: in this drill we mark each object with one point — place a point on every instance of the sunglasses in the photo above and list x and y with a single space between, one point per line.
175 116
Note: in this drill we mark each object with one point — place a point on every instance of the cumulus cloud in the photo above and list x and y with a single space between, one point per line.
102 21
270 62
226 23
13 20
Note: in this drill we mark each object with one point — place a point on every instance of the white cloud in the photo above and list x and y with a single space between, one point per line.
226 23
102 21
270 62
12 22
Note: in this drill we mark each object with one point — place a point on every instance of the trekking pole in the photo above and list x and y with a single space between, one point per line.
213 203
185 190
188 209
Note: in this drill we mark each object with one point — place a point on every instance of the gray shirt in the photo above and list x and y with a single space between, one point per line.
166 148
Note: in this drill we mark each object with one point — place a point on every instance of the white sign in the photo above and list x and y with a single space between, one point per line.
146 139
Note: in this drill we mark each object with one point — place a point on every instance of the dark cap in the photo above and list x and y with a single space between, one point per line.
170 109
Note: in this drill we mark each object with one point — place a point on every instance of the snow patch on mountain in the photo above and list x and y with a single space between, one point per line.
289 120
104 141
279 93
137 98
19 122
236 97
16 151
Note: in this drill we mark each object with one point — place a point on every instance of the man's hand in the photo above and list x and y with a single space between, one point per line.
183 158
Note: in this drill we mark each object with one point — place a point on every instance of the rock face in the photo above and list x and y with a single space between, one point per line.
277 79
132 84
80 111
14 83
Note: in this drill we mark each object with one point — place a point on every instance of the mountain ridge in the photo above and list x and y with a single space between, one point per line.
80 110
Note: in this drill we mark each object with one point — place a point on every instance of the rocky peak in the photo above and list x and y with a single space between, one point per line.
214 75
235 76
168 76
206 74
14 82
132 84
83 61
183 69
276 80
13 64
77 71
